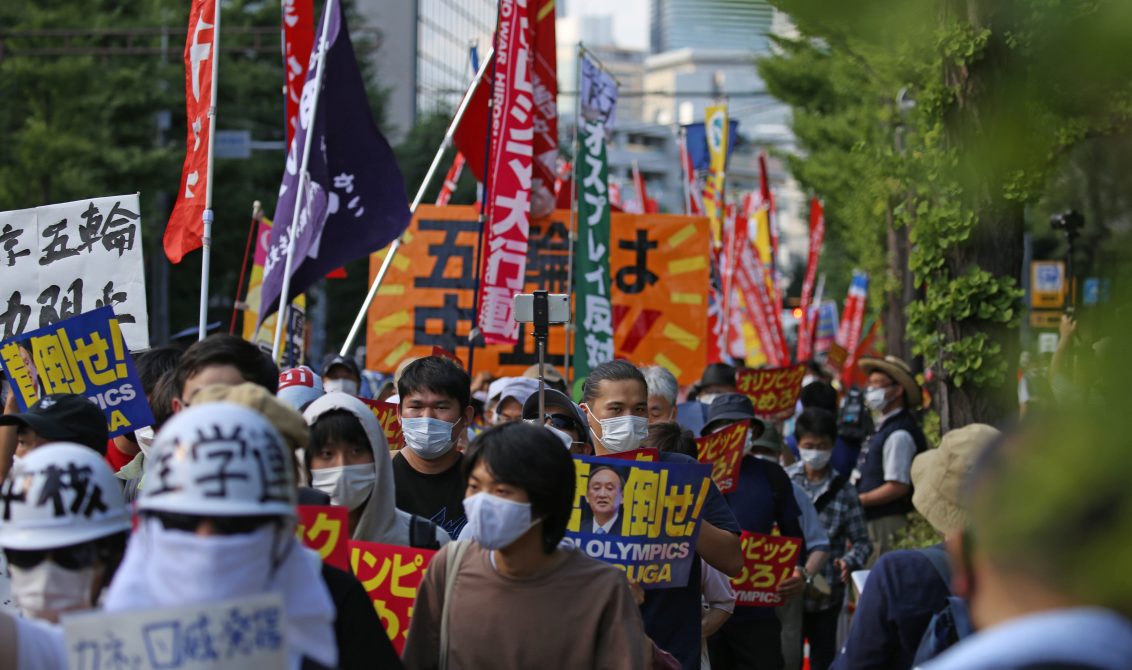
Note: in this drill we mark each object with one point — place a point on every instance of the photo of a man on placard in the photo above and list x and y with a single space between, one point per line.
603 495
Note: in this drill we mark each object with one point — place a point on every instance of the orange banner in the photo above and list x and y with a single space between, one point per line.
723 451
767 560
326 530
391 576
386 413
659 270
773 391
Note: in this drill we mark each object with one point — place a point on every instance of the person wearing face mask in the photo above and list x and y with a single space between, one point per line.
63 536
347 458
717 379
217 521
489 599
885 485
563 418
841 514
506 397
435 409
615 403
341 374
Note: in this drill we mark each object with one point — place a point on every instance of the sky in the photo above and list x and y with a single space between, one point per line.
630 19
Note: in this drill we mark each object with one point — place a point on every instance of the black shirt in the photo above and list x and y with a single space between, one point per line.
438 498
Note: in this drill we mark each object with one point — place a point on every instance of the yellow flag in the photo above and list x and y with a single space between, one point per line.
716 128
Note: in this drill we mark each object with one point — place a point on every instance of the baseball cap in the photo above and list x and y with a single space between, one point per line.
728 407
519 388
549 373
338 359
64 417
299 386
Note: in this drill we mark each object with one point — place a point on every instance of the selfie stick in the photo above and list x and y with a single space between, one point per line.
541 319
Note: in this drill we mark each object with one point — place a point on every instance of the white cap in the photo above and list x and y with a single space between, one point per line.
519 388
60 494
219 459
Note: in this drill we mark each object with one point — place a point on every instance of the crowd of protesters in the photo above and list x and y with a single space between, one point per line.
1033 521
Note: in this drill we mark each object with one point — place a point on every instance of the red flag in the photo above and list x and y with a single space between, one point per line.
298 40
450 180
817 237
185 227
853 314
850 375
508 195
751 278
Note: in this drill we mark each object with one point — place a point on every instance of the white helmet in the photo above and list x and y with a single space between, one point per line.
219 459
60 494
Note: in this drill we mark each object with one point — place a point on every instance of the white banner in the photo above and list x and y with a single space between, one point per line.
228 635
58 261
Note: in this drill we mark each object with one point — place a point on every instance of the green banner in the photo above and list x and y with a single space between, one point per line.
593 320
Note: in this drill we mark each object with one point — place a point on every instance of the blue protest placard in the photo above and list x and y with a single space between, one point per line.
641 517
86 355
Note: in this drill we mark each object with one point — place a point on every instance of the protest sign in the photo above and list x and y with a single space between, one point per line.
325 529
767 560
62 260
390 575
773 391
227 635
658 264
85 354
640 517
648 455
723 451
386 413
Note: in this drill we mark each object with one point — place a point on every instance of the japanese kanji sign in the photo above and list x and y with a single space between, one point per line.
723 451
641 517
386 413
84 354
773 391
391 576
326 530
227 635
767 560
61 260
658 270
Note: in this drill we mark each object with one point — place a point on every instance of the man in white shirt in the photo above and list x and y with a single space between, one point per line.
604 497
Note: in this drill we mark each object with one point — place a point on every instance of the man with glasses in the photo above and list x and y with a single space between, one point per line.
885 464
563 418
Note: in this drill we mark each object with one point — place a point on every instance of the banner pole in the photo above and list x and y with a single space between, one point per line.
257 211
453 126
284 299
207 215
573 236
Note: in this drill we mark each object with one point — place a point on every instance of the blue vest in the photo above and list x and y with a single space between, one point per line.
872 463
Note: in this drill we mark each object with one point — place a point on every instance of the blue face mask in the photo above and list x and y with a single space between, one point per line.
428 438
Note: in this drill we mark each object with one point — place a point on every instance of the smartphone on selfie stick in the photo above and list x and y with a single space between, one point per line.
541 309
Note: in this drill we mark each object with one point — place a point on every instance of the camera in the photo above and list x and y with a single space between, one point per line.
1069 221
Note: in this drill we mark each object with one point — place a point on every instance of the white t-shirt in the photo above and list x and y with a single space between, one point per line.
39 646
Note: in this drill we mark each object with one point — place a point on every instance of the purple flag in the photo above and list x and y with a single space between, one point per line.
697 143
354 202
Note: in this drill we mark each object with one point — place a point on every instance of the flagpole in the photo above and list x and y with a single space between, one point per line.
284 299
207 215
682 134
425 183
257 212
573 237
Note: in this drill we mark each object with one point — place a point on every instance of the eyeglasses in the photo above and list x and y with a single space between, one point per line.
74 557
221 525
562 421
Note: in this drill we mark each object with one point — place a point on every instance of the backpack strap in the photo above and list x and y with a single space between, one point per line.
456 551
831 492
938 558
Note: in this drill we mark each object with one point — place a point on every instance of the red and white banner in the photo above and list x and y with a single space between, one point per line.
735 237
752 282
185 227
853 314
817 237
544 80
508 199
298 41
450 180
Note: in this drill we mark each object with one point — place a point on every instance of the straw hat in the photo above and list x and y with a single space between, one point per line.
900 372
938 475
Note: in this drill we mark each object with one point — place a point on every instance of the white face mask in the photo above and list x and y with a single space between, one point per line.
766 457
428 438
47 590
562 435
816 459
622 433
707 398
876 399
186 568
348 485
495 522
340 386
145 439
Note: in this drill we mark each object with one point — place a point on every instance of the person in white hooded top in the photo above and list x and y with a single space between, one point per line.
348 458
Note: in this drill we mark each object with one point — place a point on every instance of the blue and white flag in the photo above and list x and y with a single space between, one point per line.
354 201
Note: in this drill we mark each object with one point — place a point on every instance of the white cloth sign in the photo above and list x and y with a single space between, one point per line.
234 634
58 261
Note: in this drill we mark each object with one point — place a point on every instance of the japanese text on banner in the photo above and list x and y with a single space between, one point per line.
326 530
723 451
773 391
391 576
508 199
767 560
85 354
640 517
61 260
386 413
227 635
